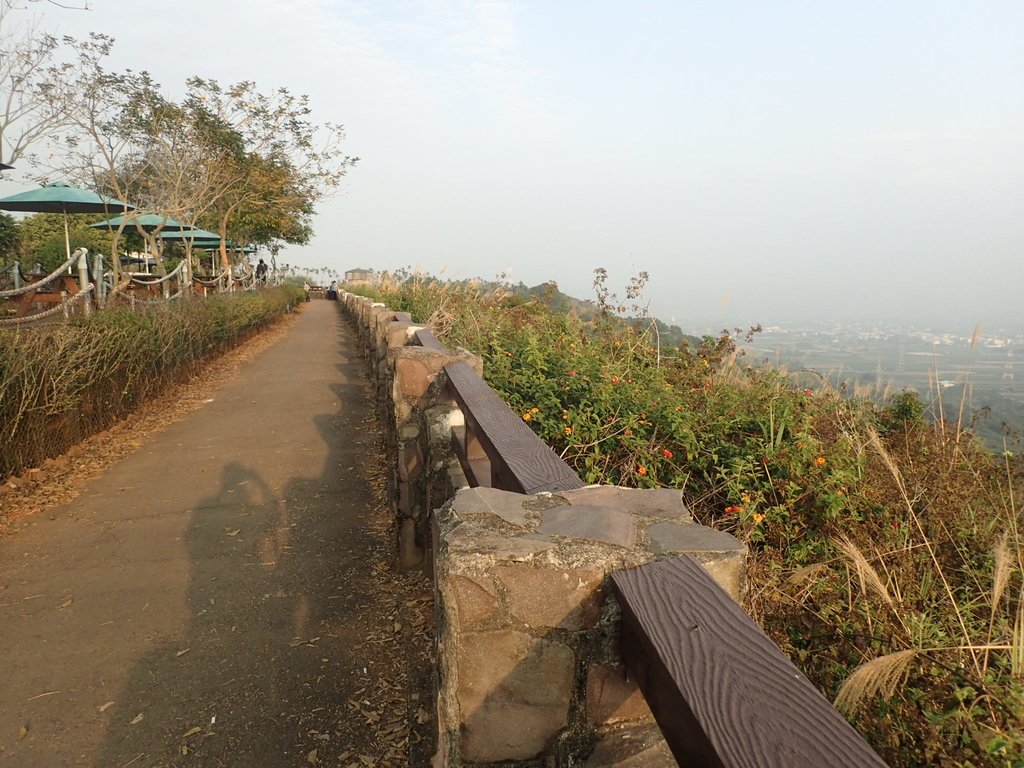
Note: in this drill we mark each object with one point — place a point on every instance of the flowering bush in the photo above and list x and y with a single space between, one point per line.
886 554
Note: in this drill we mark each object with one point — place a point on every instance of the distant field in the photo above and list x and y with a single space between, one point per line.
874 366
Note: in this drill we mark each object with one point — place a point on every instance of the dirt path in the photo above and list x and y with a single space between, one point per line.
225 595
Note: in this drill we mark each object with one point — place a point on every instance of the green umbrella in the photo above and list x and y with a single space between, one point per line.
203 235
62 198
148 222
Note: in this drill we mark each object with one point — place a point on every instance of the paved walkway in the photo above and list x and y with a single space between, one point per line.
213 598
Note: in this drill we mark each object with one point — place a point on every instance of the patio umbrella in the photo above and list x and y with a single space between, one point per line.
195 235
62 198
148 222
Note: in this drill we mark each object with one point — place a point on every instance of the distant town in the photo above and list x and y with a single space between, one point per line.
983 368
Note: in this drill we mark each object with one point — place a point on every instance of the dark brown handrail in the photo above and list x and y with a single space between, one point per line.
722 692
496 446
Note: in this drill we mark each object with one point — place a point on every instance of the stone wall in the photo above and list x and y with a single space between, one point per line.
527 638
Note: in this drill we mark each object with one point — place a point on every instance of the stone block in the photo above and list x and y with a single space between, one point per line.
690 539
476 599
504 504
412 378
410 554
729 573
405 504
397 334
410 460
513 694
468 539
441 419
593 523
611 698
403 412
542 597
647 502
631 748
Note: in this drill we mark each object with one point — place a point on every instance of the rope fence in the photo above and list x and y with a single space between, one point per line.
101 292
62 307
61 270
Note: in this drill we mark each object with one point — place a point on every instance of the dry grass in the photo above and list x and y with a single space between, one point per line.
882 675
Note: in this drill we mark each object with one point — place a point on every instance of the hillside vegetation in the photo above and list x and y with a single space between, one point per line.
886 550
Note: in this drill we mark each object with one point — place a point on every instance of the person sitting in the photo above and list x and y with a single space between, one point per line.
332 291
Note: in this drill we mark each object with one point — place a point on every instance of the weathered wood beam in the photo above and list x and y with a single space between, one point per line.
520 461
722 692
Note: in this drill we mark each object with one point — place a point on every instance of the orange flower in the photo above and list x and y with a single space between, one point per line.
745 497
615 379
731 510
568 430
758 517
666 453
820 461
641 471
527 416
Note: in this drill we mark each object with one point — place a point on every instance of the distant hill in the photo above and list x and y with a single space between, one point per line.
588 310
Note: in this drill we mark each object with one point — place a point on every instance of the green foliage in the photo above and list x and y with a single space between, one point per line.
61 384
8 238
41 239
819 496
905 410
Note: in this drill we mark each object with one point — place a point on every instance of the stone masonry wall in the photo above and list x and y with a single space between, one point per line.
529 672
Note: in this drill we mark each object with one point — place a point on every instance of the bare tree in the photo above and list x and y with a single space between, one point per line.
27 114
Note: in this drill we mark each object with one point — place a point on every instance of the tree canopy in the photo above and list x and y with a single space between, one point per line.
248 164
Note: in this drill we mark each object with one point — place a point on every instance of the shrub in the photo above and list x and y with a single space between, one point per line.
889 565
61 384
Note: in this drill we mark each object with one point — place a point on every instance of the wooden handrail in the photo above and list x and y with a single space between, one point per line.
722 692
496 446
426 338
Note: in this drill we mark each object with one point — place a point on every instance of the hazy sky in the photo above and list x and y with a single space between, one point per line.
763 161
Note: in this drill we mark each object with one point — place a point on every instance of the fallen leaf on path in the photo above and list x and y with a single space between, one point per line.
191 732
65 604
311 758
136 720
22 733
106 706
183 651
235 532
